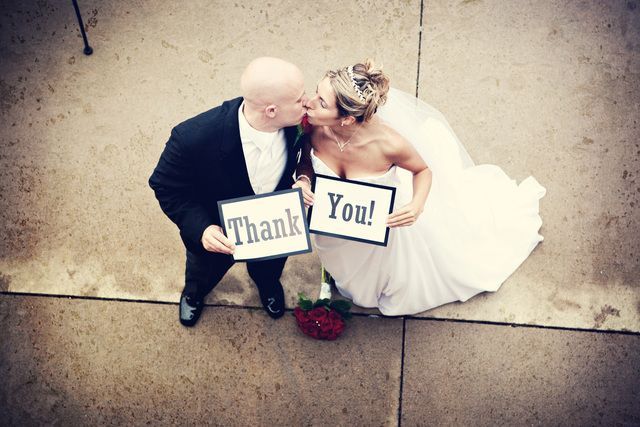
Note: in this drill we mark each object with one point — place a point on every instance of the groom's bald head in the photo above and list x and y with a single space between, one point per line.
266 80
271 81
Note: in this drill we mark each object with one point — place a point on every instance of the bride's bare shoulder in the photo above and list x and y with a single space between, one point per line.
391 142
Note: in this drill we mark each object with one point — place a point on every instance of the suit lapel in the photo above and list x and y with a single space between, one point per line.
232 156
290 134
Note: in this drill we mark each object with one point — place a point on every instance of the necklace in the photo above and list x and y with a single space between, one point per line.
342 145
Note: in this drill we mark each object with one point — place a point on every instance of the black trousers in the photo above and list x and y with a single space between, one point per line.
203 272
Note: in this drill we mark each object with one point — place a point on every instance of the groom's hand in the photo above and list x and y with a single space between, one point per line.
307 194
214 240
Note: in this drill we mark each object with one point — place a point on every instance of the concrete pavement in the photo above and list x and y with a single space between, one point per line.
548 89
95 362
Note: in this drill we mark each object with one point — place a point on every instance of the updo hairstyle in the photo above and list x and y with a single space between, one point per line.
360 89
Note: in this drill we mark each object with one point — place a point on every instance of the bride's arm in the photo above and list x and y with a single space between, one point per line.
304 172
401 153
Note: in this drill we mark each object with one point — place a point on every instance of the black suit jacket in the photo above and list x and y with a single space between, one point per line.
202 163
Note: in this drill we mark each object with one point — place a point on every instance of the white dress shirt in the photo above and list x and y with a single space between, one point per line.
265 154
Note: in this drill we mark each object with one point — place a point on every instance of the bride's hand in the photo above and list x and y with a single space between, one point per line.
405 216
307 194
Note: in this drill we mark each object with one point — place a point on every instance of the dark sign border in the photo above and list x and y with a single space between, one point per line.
259 196
357 239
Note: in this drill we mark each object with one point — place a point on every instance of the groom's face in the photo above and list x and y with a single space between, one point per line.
291 105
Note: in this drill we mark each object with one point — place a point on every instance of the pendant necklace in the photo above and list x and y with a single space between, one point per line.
342 145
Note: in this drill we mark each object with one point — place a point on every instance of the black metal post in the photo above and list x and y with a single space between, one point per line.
87 49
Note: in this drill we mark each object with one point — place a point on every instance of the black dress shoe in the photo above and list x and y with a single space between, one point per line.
272 298
190 309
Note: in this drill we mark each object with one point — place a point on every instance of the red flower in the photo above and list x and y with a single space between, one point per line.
301 315
310 328
318 314
306 126
334 315
326 325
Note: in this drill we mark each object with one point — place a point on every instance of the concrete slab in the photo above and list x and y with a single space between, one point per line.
91 362
81 135
551 90
486 375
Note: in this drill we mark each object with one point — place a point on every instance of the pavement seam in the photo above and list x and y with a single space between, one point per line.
524 325
404 330
247 307
420 28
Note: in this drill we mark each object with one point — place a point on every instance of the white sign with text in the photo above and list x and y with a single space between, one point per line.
351 210
266 226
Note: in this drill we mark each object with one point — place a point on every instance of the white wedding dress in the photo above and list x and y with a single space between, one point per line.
477 227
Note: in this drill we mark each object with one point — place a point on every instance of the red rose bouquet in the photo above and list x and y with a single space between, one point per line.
322 320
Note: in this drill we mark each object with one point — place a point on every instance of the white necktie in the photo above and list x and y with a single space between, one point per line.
263 172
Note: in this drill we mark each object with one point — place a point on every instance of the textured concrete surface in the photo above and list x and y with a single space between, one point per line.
81 135
548 89
94 362
485 375
79 362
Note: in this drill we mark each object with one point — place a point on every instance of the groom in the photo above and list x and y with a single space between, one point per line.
243 147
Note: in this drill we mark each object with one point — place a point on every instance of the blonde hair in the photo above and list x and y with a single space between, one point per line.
373 86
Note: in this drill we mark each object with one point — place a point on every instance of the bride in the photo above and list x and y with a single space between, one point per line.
456 229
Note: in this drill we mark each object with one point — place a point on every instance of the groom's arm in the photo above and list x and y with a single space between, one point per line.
173 182
305 166
304 172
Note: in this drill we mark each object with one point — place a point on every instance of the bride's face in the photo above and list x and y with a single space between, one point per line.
321 108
